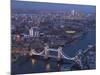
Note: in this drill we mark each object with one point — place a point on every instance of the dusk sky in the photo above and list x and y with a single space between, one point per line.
51 6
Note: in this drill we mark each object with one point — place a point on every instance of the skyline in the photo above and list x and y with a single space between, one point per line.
52 6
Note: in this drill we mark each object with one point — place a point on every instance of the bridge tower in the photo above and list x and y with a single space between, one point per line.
59 53
78 58
46 51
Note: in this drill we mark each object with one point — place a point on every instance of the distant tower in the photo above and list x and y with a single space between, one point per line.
34 32
31 32
73 12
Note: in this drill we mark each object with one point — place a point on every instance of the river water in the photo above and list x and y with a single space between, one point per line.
39 65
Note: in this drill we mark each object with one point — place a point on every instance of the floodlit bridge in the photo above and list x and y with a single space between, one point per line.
60 54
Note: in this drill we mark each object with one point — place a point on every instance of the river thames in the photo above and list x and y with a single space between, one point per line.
39 65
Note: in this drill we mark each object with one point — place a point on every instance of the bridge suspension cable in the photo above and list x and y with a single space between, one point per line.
91 46
36 53
66 57
75 57
86 50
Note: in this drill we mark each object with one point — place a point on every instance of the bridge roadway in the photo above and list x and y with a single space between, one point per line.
60 53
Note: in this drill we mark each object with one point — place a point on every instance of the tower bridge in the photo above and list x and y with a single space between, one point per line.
60 54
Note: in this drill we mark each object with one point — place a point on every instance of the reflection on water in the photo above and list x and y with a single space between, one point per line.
58 66
47 67
33 61
47 64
